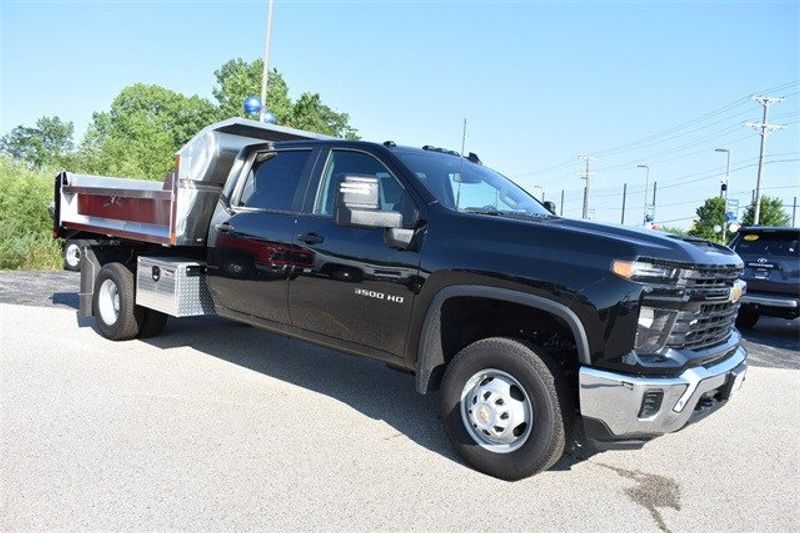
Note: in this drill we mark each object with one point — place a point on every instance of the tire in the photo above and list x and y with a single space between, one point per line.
747 317
117 315
551 407
72 255
153 324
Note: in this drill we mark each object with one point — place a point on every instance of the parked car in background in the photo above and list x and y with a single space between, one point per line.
772 271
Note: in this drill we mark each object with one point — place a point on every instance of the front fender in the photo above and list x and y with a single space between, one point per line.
430 355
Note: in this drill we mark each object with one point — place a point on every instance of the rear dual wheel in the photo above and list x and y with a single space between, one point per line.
72 255
114 305
505 408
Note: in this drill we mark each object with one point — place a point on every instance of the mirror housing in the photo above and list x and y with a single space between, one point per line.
550 206
358 203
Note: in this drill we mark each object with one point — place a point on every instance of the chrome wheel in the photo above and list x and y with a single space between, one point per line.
108 302
72 255
496 411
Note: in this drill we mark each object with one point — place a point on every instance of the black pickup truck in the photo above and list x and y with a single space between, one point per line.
533 326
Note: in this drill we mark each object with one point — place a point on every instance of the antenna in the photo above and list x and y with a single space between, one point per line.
463 136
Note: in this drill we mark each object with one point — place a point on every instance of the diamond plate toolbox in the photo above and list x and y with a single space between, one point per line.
173 285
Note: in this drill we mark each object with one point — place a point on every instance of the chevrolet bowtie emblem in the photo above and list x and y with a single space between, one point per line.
736 291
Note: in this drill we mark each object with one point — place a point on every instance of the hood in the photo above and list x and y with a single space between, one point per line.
610 240
647 243
652 244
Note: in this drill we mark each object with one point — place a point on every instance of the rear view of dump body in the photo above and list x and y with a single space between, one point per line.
176 212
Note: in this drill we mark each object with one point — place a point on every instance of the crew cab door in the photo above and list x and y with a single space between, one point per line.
355 287
251 251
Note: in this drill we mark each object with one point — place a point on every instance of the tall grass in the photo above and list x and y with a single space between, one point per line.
26 240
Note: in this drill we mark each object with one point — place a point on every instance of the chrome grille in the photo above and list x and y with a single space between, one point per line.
709 316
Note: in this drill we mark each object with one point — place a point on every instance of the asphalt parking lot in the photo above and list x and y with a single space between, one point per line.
214 425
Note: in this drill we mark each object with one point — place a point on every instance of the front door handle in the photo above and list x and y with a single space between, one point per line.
224 227
310 238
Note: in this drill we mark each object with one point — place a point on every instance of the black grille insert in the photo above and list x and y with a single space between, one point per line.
709 316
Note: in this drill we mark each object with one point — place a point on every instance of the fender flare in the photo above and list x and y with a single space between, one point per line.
430 355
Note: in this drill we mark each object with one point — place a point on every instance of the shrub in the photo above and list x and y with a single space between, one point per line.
25 224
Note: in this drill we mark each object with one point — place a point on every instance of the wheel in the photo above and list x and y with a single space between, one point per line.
153 324
747 317
117 315
505 408
72 255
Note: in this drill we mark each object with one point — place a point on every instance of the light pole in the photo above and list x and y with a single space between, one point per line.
646 185
263 113
723 189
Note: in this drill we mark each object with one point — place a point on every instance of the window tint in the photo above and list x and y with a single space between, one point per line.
342 163
766 244
273 180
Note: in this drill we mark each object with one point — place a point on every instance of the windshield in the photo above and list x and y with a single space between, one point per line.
774 244
465 186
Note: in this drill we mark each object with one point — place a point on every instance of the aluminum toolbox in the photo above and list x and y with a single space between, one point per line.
173 285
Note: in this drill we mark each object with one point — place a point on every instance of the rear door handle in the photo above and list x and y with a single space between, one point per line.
224 227
310 238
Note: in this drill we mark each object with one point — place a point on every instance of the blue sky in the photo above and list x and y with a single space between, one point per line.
539 82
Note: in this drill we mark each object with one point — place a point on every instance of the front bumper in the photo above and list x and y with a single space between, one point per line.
783 302
622 407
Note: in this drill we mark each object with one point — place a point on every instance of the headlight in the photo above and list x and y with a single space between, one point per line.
643 271
653 329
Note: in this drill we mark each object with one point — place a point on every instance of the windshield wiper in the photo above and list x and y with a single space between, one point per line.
490 212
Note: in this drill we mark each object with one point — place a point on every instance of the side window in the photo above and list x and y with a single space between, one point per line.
273 181
342 163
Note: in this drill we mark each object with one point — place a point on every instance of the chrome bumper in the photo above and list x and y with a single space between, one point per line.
616 399
771 301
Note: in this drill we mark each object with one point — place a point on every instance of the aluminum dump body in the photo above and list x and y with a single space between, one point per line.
177 211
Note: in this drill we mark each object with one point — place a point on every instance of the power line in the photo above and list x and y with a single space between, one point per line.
619 148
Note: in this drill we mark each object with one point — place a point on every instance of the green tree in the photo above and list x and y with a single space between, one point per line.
673 230
49 141
710 214
772 213
238 79
309 113
139 135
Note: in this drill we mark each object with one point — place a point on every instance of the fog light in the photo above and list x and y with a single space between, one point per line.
654 326
651 403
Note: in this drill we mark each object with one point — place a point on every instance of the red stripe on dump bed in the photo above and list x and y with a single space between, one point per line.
113 232
146 210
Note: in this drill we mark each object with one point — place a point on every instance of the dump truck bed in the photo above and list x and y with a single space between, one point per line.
175 212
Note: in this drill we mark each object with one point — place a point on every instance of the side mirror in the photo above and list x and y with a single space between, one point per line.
550 206
358 204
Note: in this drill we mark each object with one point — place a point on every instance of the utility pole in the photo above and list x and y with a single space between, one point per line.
646 184
262 115
655 186
723 188
794 210
764 129
586 176
624 194
561 210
